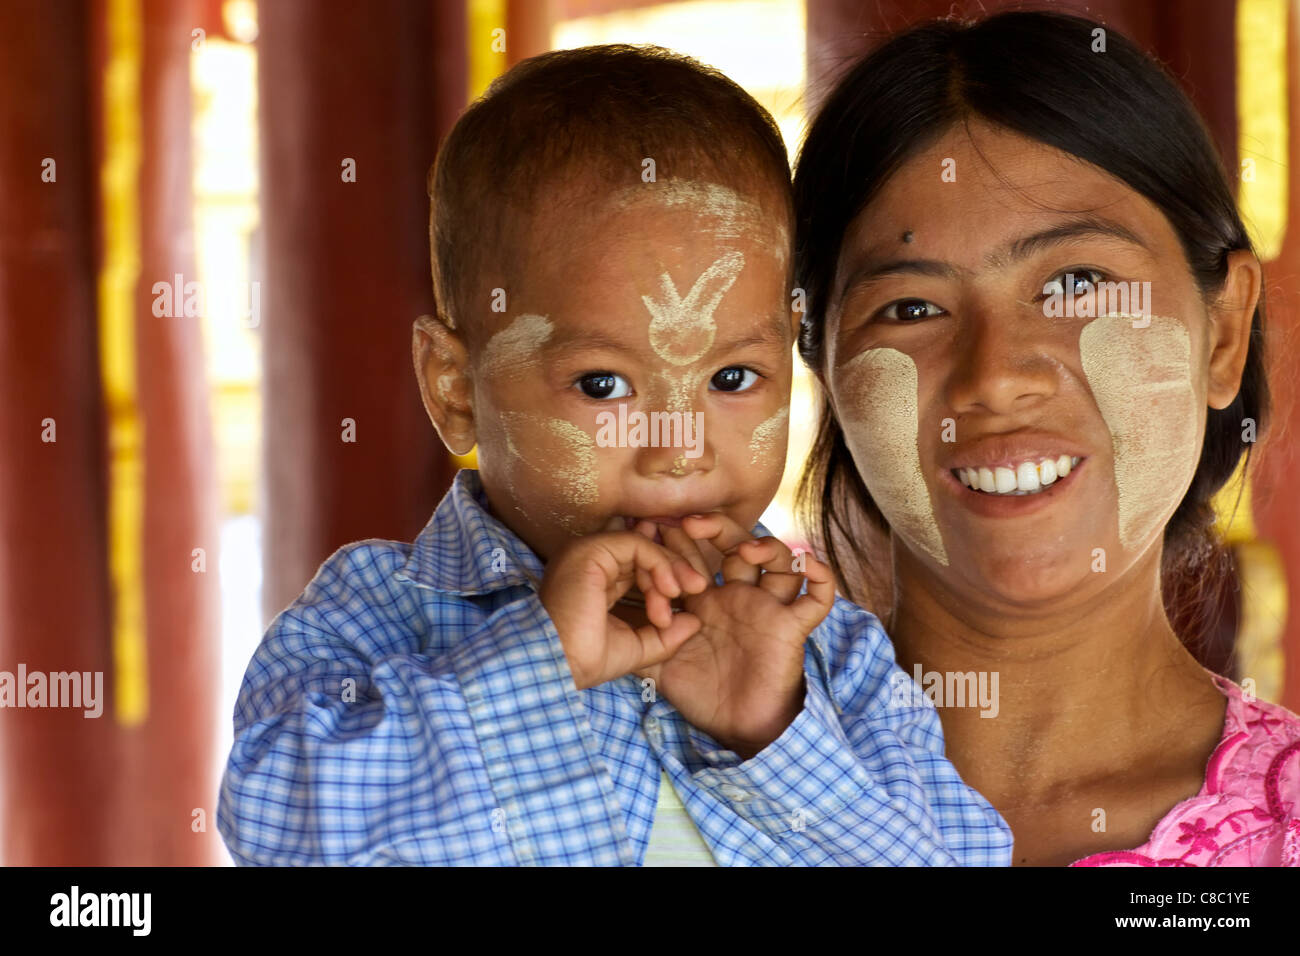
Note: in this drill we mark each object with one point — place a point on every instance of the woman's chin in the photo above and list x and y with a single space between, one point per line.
1027 581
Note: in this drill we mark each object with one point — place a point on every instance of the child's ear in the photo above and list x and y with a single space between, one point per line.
442 369
1230 318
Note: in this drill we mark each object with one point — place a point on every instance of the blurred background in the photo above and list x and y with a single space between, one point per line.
213 242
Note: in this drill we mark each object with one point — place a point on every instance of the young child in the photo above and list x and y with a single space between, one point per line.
611 258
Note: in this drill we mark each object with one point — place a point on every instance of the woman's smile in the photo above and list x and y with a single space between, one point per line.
1016 502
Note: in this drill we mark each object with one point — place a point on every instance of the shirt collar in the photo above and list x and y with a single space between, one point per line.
465 550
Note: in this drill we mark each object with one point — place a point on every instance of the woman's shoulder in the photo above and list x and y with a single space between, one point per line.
1248 810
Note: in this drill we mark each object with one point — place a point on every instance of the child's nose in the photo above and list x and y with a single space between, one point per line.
678 446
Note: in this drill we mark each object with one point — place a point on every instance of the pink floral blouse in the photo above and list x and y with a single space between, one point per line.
1248 810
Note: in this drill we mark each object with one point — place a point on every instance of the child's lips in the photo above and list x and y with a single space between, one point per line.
660 521
671 521
668 520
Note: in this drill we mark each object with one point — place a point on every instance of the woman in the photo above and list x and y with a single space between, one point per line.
1035 314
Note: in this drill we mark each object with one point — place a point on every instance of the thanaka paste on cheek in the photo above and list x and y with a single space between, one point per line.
878 409
762 442
1141 380
568 461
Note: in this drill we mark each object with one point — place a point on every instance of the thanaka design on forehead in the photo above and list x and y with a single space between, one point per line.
729 215
1141 379
682 329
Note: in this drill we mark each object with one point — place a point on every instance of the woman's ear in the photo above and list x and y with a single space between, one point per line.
1230 320
442 369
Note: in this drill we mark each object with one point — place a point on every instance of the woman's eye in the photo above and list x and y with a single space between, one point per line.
909 310
734 378
604 385
1074 282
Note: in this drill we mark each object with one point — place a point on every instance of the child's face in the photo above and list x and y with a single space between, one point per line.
945 354
668 303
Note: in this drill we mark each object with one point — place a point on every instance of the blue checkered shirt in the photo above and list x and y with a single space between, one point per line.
414 706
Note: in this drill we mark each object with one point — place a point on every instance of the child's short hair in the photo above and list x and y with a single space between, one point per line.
589 117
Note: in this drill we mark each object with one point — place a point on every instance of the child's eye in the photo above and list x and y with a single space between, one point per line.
733 378
604 385
909 310
1080 281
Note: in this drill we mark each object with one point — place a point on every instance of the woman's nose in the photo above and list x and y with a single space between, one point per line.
1002 362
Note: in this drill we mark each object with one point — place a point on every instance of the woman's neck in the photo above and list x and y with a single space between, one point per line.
1085 687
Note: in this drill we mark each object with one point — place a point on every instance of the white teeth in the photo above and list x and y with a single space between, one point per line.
1026 479
1027 476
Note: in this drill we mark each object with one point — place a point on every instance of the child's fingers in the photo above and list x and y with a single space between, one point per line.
811 607
736 568
679 542
664 572
716 528
660 643
777 562
625 558
671 573
658 610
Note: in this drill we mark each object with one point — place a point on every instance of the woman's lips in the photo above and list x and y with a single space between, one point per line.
1011 505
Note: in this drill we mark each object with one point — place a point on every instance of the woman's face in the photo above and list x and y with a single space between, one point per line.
960 351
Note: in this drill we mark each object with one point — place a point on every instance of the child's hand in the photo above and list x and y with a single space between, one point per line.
584 581
740 677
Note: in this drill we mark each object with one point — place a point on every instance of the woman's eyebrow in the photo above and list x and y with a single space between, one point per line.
1087 226
874 268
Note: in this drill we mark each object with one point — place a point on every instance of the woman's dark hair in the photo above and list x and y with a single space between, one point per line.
1035 74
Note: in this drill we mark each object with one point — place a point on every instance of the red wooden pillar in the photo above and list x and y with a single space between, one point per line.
166 769
353 101
1276 504
528 29
56 766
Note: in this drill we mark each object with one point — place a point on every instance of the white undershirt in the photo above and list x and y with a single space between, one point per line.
674 838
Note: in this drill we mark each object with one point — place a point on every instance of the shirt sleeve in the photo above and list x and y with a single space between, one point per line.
859 777
353 747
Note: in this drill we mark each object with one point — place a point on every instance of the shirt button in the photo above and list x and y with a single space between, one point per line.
732 792
652 726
